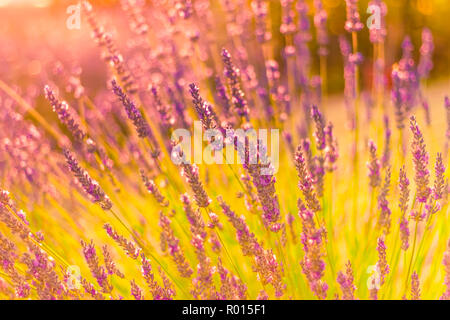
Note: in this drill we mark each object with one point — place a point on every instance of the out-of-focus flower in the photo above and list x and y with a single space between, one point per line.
420 159
353 23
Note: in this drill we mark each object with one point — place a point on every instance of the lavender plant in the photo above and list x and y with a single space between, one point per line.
97 208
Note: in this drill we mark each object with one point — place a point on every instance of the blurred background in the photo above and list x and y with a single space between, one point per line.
30 29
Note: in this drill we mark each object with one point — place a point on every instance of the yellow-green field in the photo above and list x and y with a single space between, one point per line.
93 207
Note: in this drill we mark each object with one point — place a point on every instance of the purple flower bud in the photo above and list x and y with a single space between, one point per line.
378 33
319 134
353 23
237 95
439 182
320 22
426 54
374 166
89 185
420 159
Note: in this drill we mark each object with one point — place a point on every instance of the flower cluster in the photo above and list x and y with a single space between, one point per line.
164 229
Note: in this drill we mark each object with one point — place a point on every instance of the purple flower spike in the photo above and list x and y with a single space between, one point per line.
378 33
232 74
446 263
403 205
353 23
89 185
439 182
65 114
374 166
320 22
420 159
426 54
320 127
313 240
133 113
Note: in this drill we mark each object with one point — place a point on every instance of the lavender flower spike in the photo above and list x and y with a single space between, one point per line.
320 22
154 190
353 23
446 263
142 127
89 185
260 10
97 271
190 172
398 97
377 35
331 149
439 182
415 286
382 261
313 240
403 204
319 134
420 159
265 264
232 74
136 292
129 247
204 287
383 204
374 166
447 108
65 114
305 181
387 143
175 250
426 54
204 110
346 282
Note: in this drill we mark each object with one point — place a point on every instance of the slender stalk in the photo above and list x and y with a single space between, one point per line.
147 251
412 256
26 108
46 248
323 76
380 86
394 258
283 258
327 222
419 250
208 211
355 190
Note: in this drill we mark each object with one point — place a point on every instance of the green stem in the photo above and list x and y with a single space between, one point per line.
208 211
356 142
419 250
148 252
412 256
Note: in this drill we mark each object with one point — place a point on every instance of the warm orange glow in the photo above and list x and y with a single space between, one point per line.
19 3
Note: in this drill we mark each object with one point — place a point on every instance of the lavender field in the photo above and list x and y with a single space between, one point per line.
224 149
